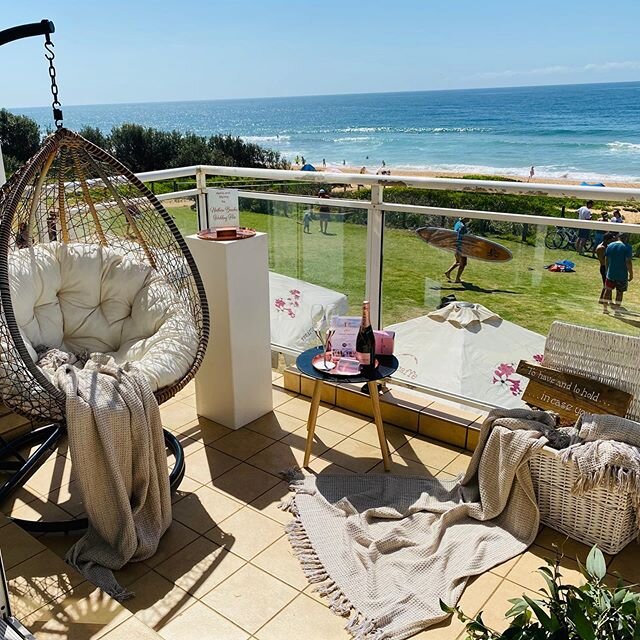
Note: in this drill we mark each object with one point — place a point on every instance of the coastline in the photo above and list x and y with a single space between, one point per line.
424 173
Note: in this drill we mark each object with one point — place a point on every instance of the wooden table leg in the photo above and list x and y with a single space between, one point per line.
311 422
377 416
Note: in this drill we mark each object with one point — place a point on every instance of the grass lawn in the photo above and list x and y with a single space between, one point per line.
413 283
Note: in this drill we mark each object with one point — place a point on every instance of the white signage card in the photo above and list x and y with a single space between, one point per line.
223 208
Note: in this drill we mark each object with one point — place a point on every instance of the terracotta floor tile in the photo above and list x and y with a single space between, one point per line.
38 581
525 571
131 629
396 437
478 591
280 396
280 561
627 563
245 482
176 537
177 414
83 612
436 456
299 408
68 498
343 422
503 569
250 597
187 487
208 463
405 467
323 439
39 510
277 458
204 508
55 472
242 444
200 566
189 444
199 621
572 549
157 601
305 616
498 604
203 430
246 533
458 464
268 503
449 629
354 455
17 545
275 425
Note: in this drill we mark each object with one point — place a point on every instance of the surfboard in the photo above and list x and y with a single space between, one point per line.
471 246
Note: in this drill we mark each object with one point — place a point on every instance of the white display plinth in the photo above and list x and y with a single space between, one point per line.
233 385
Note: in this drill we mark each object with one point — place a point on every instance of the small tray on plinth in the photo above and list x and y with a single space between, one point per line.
226 233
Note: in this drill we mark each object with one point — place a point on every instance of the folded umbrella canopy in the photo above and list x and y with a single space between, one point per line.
466 350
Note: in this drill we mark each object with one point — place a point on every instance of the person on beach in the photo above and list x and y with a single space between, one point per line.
532 172
599 234
460 227
616 216
324 162
363 170
618 261
584 213
601 249
306 220
324 212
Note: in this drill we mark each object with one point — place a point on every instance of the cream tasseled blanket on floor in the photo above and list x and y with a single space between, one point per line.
386 549
118 454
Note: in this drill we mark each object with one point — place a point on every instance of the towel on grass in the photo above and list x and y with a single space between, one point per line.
386 549
118 455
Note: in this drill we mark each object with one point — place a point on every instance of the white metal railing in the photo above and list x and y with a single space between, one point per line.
376 205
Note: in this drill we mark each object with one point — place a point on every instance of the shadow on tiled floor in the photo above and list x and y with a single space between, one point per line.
225 569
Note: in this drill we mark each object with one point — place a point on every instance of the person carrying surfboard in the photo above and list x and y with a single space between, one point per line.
460 227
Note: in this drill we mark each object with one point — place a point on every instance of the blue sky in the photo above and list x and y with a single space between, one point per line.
137 51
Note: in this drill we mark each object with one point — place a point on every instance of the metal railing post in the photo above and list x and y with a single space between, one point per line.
201 186
375 233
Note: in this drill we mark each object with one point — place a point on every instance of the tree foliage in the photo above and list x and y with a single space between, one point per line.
141 148
19 137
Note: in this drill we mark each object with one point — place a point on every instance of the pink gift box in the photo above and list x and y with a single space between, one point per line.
384 342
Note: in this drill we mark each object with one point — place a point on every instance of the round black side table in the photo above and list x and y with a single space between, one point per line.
387 365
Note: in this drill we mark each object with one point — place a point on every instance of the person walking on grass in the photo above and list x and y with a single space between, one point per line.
460 227
601 249
584 213
618 260
306 220
324 212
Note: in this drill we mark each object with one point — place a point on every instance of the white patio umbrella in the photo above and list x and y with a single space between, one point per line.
291 301
467 350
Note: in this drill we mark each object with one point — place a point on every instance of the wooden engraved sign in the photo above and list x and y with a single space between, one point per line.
570 395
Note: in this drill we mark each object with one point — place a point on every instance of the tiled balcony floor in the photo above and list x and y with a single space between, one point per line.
225 569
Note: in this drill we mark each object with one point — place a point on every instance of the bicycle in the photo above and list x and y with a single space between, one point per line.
566 238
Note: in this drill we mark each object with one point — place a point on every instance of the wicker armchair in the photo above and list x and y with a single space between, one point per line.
74 194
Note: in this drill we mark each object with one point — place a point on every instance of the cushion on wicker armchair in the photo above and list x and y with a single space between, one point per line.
88 298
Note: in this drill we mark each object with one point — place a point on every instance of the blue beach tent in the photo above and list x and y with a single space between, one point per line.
308 167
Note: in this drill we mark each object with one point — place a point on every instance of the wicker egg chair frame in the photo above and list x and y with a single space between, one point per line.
72 191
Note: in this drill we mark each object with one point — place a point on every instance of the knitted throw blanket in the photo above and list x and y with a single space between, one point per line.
118 454
607 455
385 549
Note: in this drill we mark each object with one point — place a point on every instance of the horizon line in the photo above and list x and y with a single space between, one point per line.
332 95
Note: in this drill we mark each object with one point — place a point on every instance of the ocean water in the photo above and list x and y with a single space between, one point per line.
584 132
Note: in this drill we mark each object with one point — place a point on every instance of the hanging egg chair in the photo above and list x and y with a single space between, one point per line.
90 261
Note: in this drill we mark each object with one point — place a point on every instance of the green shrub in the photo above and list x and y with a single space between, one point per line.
594 611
